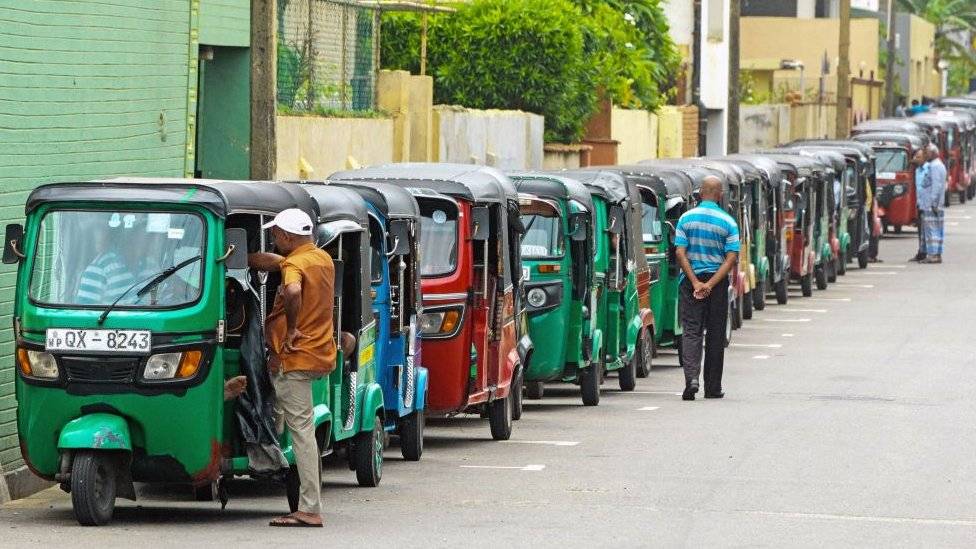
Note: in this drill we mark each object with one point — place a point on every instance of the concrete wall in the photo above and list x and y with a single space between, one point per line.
680 14
313 147
765 126
777 38
636 132
410 101
499 138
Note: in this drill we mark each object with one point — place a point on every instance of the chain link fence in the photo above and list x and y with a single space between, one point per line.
328 55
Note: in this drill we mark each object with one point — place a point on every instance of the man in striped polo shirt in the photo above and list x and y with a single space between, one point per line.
707 242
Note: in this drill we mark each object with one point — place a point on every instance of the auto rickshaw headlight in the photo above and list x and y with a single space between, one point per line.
162 366
899 189
537 297
37 364
439 323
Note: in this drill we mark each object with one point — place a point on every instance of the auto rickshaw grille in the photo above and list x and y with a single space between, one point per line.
100 369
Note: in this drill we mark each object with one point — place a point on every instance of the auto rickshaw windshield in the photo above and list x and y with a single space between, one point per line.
890 160
93 258
438 237
543 236
650 224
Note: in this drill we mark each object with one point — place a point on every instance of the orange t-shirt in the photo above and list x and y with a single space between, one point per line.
316 351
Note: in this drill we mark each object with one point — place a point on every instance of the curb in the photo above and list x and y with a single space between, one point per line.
4 492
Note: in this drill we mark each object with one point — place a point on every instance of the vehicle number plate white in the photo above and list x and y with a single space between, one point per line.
99 341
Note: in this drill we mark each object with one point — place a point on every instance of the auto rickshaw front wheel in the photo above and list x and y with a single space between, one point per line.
747 306
500 417
806 284
590 384
93 486
368 454
516 393
862 259
411 429
820 273
782 290
644 354
534 390
832 271
627 376
759 296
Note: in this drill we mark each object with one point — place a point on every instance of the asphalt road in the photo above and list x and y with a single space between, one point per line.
848 422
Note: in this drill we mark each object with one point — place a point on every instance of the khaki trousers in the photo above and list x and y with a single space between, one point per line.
293 408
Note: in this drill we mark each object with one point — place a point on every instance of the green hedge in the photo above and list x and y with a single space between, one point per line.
545 56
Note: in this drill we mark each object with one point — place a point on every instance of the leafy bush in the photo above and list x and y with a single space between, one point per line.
551 57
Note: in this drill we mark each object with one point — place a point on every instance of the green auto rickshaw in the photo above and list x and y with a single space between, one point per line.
619 310
557 264
135 304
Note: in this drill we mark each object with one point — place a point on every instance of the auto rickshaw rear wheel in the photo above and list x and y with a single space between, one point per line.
516 392
897 229
747 306
842 264
93 486
534 389
644 353
832 271
820 273
862 259
962 197
500 418
411 430
759 296
782 291
590 384
627 376
806 284
368 454
735 313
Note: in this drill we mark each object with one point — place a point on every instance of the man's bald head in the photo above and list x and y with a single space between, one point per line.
711 189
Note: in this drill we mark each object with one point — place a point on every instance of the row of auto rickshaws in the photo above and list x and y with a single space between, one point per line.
458 289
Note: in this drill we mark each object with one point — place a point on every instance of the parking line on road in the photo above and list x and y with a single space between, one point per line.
885 266
789 309
786 320
761 357
650 393
872 273
508 467
757 345
844 299
649 408
863 518
787 335
545 442
850 285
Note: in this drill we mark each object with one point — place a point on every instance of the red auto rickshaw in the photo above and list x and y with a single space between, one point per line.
895 175
472 326
799 215
951 137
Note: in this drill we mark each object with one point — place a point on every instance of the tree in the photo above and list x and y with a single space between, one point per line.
950 17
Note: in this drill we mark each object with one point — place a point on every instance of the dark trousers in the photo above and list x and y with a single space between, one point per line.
703 320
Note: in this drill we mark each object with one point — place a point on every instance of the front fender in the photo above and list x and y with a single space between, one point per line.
596 346
372 406
525 348
762 268
96 432
645 319
420 388
845 243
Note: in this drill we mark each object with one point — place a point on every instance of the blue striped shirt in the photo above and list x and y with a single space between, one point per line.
708 233
104 280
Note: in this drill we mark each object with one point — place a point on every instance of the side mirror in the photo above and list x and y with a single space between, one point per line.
399 237
617 220
13 237
236 256
480 223
578 227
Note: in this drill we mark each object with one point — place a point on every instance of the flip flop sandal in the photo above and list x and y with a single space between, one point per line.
291 521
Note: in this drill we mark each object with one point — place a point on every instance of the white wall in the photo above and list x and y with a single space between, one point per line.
508 140
680 14
806 9
716 133
715 74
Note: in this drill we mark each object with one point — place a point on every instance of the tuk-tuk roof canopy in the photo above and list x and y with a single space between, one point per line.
803 166
830 158
608 184
847 147
392 201
772 169
552 186
694 172
944 121
467 181
333 203
675 181
891 125
901 139
219 196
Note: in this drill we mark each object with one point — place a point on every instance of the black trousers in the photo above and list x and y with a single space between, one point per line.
703 321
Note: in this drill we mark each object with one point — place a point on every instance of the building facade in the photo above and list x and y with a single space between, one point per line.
94 90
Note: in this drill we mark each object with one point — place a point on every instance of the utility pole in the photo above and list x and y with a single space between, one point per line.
889 102
732 135
844 71
264 88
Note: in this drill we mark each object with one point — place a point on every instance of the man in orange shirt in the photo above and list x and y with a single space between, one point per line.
302 349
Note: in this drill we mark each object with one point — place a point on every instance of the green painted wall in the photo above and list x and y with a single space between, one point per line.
225 22
87 90
224 115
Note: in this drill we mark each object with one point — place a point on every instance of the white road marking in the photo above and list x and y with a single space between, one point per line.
864 518
545 442
952 223
511 468
844 299
649 393
876 266
649 408
789 309
958 217
787 335
761 357
757 345
849 285
872 273
786 319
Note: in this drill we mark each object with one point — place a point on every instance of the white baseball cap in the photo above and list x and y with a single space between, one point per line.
292 221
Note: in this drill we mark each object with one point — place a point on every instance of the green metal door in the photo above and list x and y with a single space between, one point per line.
223 113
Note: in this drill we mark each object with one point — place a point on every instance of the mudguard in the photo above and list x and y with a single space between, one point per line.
634 330
96 432
827 253
845 244
420 388
596 345
762 268
372 406
646 317
321 414
525 348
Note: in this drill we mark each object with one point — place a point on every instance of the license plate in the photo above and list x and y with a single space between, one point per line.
99 341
